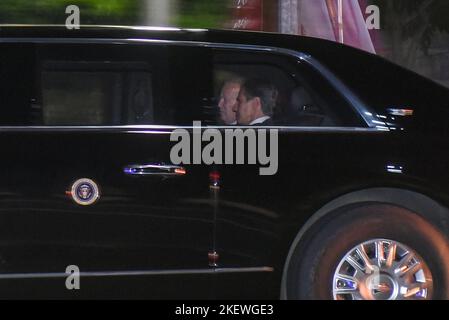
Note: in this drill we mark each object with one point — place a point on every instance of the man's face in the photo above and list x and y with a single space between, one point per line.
246 109
228 101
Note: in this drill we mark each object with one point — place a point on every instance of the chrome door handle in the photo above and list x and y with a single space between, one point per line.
154 169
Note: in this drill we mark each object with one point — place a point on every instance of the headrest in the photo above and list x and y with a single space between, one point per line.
301 101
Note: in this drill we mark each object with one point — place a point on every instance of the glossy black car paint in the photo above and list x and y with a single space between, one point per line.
153 224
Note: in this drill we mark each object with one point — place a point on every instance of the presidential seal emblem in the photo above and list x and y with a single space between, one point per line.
85 192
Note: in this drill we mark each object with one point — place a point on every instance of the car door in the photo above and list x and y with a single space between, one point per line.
258 213
86 176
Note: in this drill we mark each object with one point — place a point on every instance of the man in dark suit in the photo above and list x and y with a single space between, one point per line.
255 103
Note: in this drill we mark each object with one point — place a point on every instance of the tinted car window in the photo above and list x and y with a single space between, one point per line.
105 85
60 84
100 93
304 97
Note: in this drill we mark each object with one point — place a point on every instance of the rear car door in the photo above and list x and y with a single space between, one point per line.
86 178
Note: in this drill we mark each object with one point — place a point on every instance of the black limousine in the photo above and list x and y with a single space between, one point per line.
357 208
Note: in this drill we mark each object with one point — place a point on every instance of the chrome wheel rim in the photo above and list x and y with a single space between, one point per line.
382 269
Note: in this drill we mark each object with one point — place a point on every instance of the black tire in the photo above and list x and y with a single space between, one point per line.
316 257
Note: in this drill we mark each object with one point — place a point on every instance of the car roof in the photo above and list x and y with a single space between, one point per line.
120 32
162 33
325 50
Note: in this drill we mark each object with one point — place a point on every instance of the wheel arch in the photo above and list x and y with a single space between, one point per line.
424 206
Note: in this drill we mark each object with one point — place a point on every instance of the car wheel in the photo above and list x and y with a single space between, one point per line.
374 252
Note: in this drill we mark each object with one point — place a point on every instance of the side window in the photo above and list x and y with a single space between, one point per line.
97 85
96 93
61 84
302 96
102 85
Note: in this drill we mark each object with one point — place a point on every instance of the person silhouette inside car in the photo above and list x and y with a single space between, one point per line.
255 103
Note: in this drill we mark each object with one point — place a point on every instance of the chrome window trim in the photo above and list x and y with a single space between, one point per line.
166 129
36 275
367 115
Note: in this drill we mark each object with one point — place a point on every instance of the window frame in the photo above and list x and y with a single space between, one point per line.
297 73
371 120
121 68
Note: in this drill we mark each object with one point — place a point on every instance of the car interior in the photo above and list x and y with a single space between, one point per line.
297 105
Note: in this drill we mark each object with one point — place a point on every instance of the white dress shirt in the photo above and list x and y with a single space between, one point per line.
259 120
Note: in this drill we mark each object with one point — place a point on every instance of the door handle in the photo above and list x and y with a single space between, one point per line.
155 169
